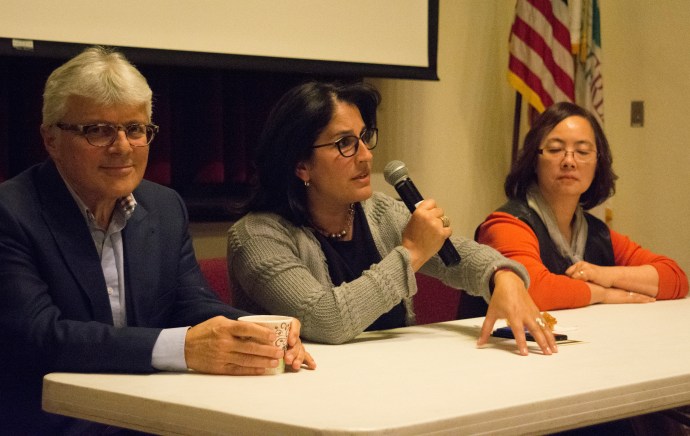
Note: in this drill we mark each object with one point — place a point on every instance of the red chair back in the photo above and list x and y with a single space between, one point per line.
216 272
434 301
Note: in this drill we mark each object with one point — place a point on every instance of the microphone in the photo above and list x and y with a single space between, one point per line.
395 174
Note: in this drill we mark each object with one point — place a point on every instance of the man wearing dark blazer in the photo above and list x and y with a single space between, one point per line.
97 269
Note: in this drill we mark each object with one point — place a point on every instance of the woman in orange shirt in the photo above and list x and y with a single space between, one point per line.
572 257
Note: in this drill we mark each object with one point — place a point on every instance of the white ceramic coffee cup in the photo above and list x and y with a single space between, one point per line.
281 327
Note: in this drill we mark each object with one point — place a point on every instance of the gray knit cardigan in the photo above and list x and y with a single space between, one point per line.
276 267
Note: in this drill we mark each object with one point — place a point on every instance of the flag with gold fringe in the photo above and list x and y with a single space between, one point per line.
541 66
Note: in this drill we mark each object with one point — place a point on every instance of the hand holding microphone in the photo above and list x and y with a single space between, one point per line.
396 174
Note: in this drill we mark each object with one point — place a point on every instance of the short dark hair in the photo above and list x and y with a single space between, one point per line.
523 172
291 129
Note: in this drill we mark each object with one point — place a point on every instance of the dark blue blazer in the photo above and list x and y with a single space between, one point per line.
54 309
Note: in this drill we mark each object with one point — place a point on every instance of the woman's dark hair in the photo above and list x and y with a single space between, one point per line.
523 172
291 129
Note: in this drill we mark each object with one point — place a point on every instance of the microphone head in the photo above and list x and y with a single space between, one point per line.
395 172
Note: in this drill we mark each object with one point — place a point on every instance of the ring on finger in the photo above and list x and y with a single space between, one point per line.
582 273
445 220
540 321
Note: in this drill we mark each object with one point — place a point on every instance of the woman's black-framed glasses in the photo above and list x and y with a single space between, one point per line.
105 134
349 145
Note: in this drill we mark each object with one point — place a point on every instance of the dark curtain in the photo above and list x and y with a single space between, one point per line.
209 119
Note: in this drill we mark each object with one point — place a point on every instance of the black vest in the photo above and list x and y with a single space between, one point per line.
598 249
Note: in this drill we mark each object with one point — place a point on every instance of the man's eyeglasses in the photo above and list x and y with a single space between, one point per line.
349 145
105 134
582 155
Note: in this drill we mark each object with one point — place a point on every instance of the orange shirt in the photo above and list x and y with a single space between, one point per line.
516 240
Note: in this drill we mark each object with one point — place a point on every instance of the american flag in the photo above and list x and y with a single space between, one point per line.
541 66
555 54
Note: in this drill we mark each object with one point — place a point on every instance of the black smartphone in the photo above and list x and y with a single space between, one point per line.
506 332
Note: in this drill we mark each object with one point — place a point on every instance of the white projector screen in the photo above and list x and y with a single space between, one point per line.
394 38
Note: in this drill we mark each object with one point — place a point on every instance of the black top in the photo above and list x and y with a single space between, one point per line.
347 260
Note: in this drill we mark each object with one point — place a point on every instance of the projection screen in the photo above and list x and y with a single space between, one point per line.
384 38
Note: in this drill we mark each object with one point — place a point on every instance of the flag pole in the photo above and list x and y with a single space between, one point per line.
516 127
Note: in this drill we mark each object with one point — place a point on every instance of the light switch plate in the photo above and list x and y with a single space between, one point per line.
637 114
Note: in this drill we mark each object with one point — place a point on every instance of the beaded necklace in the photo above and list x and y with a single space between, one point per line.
341 234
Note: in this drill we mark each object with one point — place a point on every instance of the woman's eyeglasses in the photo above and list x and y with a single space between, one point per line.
582 155
349 145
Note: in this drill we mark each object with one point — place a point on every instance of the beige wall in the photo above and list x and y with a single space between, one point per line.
455 134
646 57
209 239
